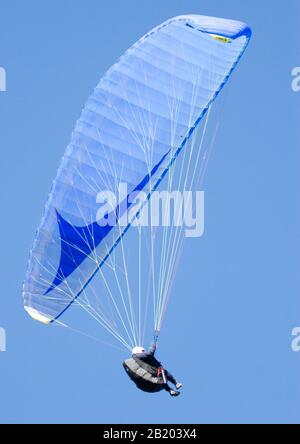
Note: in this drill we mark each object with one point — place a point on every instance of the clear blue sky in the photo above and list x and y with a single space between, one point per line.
228 330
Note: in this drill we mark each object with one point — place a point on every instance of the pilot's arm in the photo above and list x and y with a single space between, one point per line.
152 349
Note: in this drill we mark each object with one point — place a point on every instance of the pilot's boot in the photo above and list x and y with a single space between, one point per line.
174 393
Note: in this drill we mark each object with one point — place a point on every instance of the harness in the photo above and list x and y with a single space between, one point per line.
147 377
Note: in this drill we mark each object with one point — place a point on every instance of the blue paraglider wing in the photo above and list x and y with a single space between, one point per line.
132 128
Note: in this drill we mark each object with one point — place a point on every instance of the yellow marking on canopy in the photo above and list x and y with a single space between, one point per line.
221 38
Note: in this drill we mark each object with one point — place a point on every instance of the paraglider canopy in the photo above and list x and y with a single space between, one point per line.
139 118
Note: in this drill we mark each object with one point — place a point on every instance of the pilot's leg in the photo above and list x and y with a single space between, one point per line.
171 391
164 374
171 379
